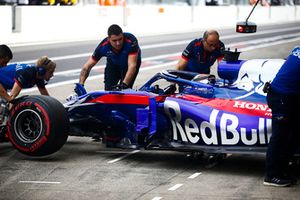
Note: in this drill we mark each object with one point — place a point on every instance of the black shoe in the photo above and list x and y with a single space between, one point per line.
277 182
292 179
96 138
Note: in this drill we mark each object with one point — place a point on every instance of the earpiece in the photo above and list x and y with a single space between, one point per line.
41 71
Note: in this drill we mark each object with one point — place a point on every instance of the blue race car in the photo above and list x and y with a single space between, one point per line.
174 110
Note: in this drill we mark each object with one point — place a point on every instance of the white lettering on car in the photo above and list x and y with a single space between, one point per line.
251 106
211 125
175 119
230 132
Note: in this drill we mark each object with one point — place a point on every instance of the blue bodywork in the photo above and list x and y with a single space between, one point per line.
183 111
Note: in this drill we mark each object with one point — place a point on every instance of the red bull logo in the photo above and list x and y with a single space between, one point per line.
219 128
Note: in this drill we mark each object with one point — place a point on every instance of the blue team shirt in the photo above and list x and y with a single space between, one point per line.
287 80
120 59
22 74
199 60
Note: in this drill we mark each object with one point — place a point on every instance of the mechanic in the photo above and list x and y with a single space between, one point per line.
202 53
5 55
14 77
284 99
123 60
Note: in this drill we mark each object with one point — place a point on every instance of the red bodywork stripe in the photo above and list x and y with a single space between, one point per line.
125 99
230 105
121 99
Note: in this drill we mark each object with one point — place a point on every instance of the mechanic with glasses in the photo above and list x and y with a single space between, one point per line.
123 56
284 99
202 53
5 55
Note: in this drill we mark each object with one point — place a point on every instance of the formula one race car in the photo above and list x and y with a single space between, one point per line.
174 110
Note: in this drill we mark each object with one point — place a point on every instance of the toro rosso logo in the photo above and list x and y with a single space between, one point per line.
218 128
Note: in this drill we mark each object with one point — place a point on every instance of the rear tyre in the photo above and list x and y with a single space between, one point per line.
38 125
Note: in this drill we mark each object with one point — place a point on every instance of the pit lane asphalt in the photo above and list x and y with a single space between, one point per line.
84 169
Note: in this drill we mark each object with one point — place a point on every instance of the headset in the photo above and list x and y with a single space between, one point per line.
41 71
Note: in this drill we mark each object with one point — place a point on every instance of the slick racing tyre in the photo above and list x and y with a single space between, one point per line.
38 125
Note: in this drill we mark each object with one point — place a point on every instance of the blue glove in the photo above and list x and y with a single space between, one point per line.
79 89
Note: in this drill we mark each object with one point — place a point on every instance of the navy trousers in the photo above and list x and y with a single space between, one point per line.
114 75
285 133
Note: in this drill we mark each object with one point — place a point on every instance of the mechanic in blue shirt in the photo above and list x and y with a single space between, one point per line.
123 56
202 53
284 99
14 77
5 55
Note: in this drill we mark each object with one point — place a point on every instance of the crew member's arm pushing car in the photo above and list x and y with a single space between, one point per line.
85 72
4 94
132 64
181 65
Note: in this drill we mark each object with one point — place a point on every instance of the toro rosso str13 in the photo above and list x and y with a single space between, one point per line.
174 110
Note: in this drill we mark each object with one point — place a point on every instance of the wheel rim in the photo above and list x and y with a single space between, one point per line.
28 126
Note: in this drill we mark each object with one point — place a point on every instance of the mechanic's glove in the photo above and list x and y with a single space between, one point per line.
79 89
121 86
72 97
124 86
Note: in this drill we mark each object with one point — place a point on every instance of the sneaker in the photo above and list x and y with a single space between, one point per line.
292 179
277 182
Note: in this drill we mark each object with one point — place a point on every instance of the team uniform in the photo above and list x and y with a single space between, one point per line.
199 60
23 74
117 62
284 100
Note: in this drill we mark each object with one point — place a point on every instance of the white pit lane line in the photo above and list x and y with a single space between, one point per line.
122 157
40 182
156 198
175 187
194 175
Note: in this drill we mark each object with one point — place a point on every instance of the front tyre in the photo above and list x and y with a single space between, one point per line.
38 125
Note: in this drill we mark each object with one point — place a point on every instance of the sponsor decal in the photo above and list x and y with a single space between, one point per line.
255 108
25 103
229 105
253 74
215 127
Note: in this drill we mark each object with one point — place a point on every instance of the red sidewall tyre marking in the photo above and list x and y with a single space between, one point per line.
35 145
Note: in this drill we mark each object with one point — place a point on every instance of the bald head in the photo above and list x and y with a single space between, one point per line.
211 40
211 32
